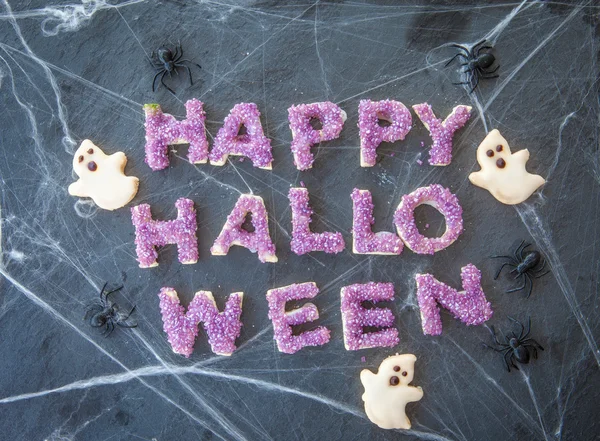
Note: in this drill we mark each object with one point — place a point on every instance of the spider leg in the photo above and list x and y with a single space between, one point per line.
462 48
124 325
93 309
508 354
476 76
154 80
491 71
114 290
495 349
516 252
528 278
130 312
519 288
506 257
453 58
485 77
493 332
102 291
500 270
482 48
534 352
521 325
532 342
190 75
481 42
539 270
162 81
541 275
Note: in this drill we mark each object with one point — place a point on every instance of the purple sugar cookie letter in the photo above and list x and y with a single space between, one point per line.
355 317
441 132
163 130
364 241
469 306
303 240
442 200
150 233
372 134
283 321
253 144
233 234
222 328
304 136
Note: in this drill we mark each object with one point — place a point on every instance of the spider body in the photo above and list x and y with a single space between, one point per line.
476 63
106 313
169 61
525 264
519 349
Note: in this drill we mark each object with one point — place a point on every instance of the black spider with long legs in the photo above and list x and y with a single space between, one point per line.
519 348
477 63
168 62
106 313
525 264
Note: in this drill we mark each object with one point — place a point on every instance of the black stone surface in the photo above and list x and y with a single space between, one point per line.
75 71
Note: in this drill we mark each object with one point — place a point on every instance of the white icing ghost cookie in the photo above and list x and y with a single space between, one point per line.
503 173
387 392
102 177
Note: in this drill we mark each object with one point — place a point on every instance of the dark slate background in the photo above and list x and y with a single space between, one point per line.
73 71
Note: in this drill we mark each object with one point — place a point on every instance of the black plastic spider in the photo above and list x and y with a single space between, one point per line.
168 61
106 313
524 265
516 348
477 64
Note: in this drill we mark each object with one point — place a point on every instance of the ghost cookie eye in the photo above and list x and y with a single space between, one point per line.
490 153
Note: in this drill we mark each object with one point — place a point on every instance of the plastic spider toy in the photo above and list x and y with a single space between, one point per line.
106 313
516 348
167 62
525 264
476 63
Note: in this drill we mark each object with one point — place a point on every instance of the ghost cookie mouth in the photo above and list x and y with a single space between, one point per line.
503 173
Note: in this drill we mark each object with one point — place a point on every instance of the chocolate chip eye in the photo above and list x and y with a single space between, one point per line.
396 368
404 374
81 158
92 166
499 148
394 381
490 153
500 163
91 151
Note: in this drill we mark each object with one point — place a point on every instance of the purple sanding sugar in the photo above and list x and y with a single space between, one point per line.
442 200
222 328
304 136
372 134
469 306
364 240
163 130
303 240
419 162
355 317
150 233
283 321
233 234
442 132
253 144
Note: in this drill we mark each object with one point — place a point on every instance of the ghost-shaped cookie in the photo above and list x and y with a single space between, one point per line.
102 177
387 392
503 173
